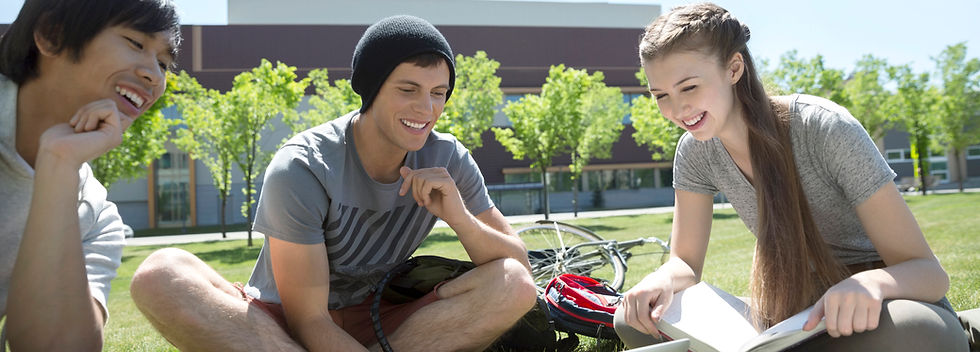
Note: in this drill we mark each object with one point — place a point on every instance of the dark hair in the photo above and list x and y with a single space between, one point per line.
793 265
426 60
71 24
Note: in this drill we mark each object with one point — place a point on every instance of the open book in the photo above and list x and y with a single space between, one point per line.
716 321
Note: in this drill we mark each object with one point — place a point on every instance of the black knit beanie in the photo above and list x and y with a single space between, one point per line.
387 44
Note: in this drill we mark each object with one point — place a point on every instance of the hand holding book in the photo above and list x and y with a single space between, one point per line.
645 304
848 307
715 320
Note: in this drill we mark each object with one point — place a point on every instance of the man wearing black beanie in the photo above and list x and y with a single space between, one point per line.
342 204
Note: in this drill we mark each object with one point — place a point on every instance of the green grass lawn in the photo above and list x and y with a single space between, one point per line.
950 222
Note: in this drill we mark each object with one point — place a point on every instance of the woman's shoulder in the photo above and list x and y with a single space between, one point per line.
811 106
815 113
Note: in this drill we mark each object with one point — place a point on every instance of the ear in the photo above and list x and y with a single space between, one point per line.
735 68
44 46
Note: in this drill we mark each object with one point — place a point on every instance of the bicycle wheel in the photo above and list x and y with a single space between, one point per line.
550 252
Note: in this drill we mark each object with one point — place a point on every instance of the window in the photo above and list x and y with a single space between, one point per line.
973 152
895 155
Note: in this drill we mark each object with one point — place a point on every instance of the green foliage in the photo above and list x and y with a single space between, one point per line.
208 135
913 105
652 128
603 110
866 95
476 95
958 109
257 97
564 119
530 136
330 102
143 142
557 121
796 75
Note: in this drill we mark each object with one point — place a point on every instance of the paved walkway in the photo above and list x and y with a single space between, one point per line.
516 219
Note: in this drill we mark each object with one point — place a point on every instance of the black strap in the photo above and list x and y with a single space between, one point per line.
376 312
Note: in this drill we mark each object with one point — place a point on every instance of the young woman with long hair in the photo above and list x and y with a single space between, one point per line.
805 177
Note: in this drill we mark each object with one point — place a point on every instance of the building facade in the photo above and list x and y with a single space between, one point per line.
526 37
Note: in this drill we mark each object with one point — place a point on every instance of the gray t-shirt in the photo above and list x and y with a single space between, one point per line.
100 226
838 163
316 191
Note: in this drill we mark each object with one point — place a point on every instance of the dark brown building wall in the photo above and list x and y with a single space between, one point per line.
525 53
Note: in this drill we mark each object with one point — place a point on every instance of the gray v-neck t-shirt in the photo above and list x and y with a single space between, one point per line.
838 163
317 191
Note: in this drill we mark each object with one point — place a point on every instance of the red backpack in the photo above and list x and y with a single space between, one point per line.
582 305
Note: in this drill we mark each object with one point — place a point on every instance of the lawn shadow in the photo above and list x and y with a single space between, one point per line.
715 216
438 237
722 216
602 228
231 256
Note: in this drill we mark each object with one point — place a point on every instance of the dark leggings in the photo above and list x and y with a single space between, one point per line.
905 325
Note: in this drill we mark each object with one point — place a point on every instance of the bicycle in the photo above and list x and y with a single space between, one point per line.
556 248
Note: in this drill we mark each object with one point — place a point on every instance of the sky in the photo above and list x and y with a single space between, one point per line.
842 31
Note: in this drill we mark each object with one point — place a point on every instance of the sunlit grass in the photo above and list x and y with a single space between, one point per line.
950 222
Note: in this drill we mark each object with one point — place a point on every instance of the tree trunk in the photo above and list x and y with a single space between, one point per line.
544 182
960 167
248 190
224 205
923 166
575 197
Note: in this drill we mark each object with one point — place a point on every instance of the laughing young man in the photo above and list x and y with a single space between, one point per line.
342 204
73 76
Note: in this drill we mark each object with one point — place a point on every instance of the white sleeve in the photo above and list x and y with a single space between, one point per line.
101 228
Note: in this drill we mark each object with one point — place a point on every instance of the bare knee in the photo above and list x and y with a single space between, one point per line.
158 276
513 288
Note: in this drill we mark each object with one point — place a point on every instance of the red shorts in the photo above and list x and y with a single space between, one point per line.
356 319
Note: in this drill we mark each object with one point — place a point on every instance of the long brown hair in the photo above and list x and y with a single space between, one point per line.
792 265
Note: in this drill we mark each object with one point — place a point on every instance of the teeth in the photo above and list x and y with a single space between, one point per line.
414 125
133 97
695 120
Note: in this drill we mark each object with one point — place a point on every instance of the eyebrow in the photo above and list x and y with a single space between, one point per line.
678 82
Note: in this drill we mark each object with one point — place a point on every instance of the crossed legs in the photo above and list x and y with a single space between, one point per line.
194 308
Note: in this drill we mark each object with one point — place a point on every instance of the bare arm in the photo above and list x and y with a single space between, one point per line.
303 280
912 272
645 303
485 237
52 306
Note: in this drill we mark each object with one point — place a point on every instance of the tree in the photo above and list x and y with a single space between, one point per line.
866 95
958 110
652 128
143 142
912 105
208 135
330 102
475 97
256 97
552 123
603 110
796 75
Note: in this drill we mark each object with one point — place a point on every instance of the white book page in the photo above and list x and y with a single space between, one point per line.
704 314
787 333
791 324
